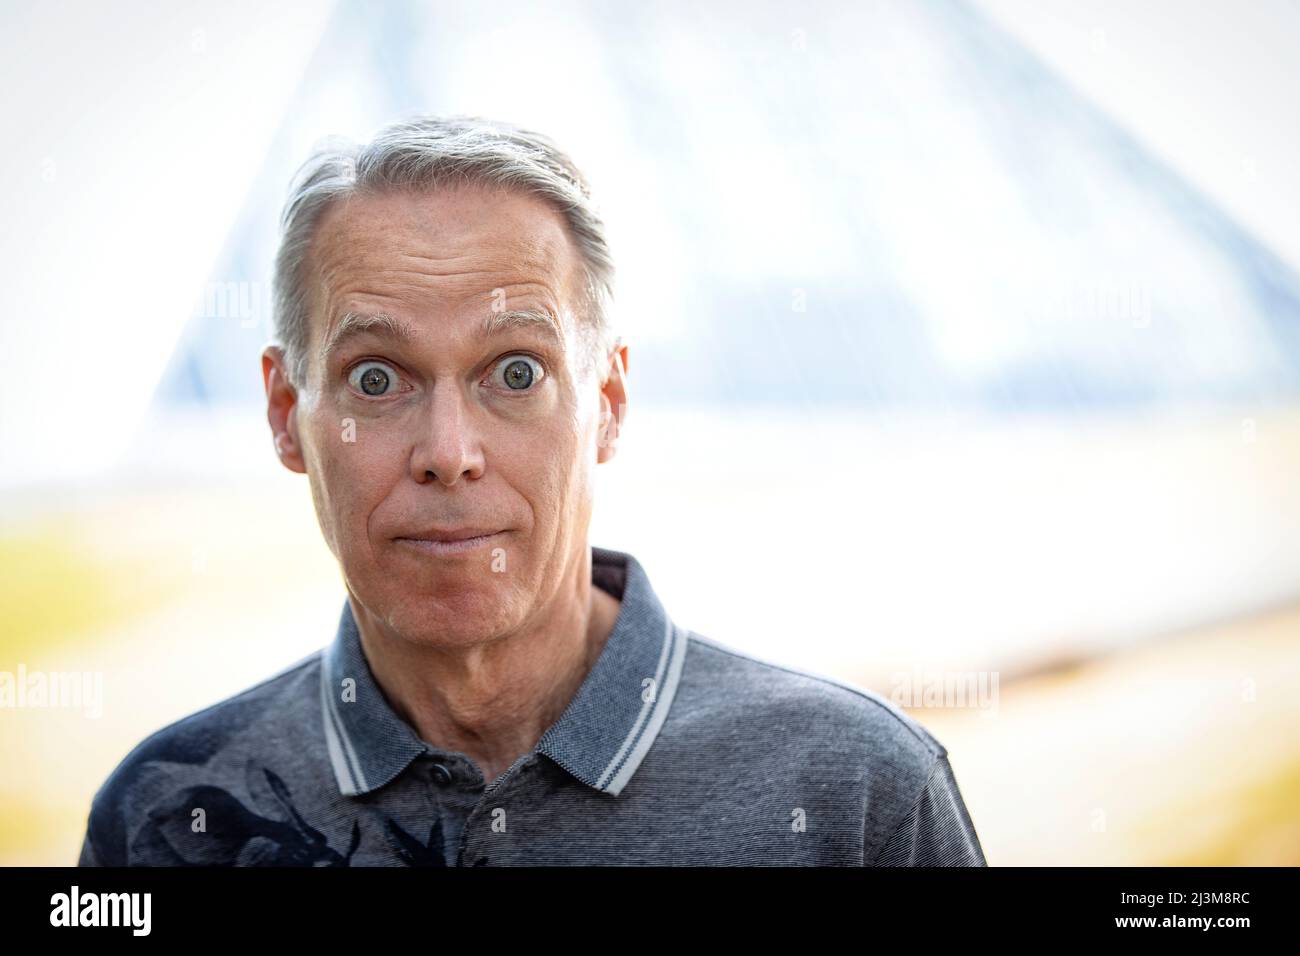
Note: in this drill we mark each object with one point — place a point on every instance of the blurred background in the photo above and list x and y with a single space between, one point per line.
964 358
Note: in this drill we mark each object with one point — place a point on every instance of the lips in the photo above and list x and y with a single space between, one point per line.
442 542
448 535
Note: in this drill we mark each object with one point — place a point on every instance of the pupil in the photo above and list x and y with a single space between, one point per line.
519 371
374 377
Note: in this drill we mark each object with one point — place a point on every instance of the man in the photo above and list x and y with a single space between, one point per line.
498 691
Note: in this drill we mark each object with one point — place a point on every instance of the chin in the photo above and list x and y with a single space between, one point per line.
450 615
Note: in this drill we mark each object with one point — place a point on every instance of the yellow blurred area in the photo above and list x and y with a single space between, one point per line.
1183 752
178 597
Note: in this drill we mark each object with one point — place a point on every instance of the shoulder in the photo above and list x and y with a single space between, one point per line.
802 712
251 720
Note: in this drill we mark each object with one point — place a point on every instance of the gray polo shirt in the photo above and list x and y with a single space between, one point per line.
676 750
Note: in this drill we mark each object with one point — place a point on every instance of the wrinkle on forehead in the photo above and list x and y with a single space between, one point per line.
454 242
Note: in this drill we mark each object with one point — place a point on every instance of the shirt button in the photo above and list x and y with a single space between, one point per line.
440 774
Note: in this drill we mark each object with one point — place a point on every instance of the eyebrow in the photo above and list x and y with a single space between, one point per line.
354 324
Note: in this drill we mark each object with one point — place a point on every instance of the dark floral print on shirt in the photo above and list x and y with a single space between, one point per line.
234 835
412 852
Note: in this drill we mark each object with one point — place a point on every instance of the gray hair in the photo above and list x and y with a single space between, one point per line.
425 152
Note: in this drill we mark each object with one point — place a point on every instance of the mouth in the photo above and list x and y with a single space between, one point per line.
440 543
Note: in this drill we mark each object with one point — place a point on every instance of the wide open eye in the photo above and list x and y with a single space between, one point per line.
518 372
373 378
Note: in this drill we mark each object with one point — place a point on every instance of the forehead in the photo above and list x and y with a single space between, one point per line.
439 249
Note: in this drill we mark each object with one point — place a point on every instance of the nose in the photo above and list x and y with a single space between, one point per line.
448 446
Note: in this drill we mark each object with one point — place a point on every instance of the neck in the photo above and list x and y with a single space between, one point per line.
492 701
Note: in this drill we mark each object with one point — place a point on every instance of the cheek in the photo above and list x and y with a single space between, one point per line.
352 469
536 466
567 469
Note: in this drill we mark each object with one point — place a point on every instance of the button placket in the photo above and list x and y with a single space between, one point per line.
471 841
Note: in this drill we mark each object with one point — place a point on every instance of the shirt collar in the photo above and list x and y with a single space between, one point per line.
600 739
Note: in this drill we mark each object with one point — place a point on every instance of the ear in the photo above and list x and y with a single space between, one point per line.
613 403
281 409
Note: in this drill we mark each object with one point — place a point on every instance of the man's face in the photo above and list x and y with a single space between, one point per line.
445 428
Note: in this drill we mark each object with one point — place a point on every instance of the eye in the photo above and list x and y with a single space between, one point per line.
518 372
373 378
